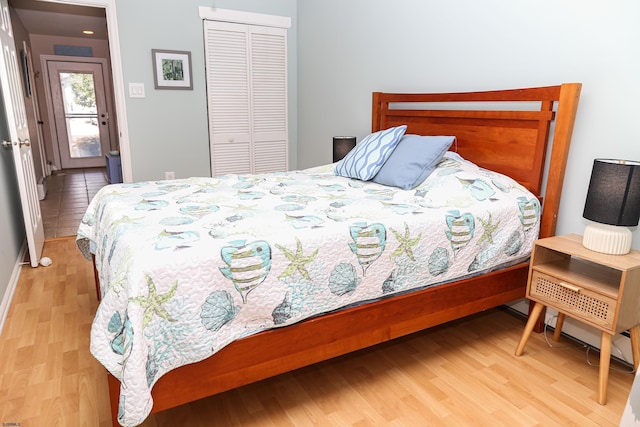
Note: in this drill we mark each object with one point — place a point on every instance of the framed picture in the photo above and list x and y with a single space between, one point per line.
172 69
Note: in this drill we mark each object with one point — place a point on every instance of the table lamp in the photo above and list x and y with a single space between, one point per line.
341 146
613 203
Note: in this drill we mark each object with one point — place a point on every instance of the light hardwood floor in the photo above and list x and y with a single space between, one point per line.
459 374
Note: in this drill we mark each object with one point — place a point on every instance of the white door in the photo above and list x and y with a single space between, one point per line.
79 99
19 142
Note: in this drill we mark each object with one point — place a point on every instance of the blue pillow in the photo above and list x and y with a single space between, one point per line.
366 159
413 160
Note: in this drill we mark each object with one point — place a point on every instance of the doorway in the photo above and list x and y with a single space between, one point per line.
66 20
79 110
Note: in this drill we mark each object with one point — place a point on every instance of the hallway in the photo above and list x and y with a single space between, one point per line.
68 195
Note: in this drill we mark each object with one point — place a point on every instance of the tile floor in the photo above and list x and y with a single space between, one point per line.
68 195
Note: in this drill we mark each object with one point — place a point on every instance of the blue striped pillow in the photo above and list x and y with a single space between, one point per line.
368 157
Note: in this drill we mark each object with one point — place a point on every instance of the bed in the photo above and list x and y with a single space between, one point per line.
498 157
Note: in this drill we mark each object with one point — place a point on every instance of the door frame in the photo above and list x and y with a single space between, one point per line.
116 75
46 80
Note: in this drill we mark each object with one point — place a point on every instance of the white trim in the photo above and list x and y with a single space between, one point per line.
117 77
11 288
250 18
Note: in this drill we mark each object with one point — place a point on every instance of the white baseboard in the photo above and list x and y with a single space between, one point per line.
13 283
620 346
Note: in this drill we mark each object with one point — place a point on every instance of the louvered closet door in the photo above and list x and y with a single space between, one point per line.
247 97
269 91
227 55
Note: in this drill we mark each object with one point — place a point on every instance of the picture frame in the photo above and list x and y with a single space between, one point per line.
172 69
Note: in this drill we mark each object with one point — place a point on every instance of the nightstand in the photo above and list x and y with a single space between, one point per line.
597 289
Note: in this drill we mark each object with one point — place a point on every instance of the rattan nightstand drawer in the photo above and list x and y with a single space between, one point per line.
573 299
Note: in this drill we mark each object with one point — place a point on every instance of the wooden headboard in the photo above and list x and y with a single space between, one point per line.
505 131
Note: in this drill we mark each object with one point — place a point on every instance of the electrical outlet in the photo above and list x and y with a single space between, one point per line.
170 175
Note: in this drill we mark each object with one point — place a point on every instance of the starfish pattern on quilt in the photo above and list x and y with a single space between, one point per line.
153 303
406 243
297 261
489 228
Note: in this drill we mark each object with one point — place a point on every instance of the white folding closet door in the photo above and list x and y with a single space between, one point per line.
227 63
247 97
269 98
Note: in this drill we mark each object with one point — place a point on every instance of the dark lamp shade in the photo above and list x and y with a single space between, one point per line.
341 146
614 193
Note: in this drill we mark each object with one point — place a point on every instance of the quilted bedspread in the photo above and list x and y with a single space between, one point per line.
187 266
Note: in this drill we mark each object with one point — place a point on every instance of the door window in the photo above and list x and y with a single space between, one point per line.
81 114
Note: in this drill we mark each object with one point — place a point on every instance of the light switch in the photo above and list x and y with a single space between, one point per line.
136 90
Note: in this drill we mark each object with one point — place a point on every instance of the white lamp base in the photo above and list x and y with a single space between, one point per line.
607 239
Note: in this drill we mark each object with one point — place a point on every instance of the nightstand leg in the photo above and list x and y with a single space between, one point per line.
605 358
635 345
558 331
533 318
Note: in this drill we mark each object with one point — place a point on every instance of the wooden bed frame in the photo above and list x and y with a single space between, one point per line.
513 142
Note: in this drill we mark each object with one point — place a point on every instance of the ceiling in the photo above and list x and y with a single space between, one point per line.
56 19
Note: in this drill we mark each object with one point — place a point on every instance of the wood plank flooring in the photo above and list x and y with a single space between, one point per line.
460 374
